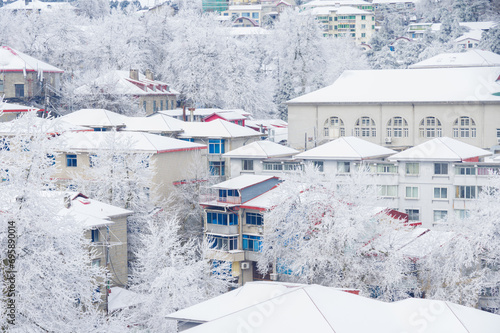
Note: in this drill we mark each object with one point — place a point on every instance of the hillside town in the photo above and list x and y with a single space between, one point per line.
250 166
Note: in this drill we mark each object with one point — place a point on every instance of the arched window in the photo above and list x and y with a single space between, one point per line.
365 126
334 127
397 127
464 127
430 127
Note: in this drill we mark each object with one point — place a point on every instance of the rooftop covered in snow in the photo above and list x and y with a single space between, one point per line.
314 308
10 107
261 149
216 129
440 149
471 58
95 118
15 61
436 85
134 142
243 181
346 149
155 123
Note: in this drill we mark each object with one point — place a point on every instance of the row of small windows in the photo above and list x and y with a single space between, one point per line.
429 127
158 105
232 219
439 215
412 192
250 242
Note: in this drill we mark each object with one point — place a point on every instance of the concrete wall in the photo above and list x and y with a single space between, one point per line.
167 101
309 121
32 85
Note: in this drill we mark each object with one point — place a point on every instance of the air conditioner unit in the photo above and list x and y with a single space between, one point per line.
245 265
388 140
261 231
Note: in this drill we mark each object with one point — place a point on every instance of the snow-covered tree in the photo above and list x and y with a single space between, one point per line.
320 229
491 40
54 282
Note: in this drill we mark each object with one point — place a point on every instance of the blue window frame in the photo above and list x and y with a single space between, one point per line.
161 105
52 159
172 104
99 129
252 243
71 161
94 235
222 219
254 218
255 15
144 105
188 139
245 14
216 146
217 168
222 243
154 106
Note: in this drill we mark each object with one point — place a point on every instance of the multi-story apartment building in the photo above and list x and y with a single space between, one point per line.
234 223
344 21
401 108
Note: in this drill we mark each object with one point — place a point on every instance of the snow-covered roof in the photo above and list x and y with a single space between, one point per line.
344 10
470 25
38 6
243 181
333 3
229 115
436 85
261 149
127 141
375 2
266 123
265 201
119 83
120 298
471 58
474 34
244 7
15 61
95 118
314 308
217 128
440 149
10 107
346 149
155 123
37 125
203 112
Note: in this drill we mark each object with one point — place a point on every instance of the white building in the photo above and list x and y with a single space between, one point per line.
401 108
471 58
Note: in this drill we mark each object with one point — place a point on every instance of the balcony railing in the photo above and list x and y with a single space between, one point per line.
230 200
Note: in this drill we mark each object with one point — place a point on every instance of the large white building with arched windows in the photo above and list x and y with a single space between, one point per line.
401 108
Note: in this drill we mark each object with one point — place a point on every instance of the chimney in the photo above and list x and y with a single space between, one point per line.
149 75
191 111
67 201
134 74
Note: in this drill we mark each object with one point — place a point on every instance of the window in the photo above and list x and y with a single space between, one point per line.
373 27
217 168
462 213
96 262
154 106
465 192
144 105
247 165
363 26
222 243
334 127
1 85
216 146
397 127
318 165
411 192
464 127
365 127
19 88
440 215
166 104
172 104
430 127
413 214
161 105
363 34
273 166
465 170
388 190
93 160
99 129
255 15
222 219
344 167
412 168
440 168
386 168
252 243
245 14
71 160
94 235
363 17
254 218
440 193
52 159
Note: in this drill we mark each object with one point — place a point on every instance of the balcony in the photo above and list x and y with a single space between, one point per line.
222 229
230 200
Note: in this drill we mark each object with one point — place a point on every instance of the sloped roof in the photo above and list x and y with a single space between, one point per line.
205 112
474 34
9 107
440 149
119 83
49 125
216 129
348 148
314 308
38 5
95 118
229 115
155 123
264 201
15 61
127 141
266 123
243 181
332 3
436 85
471 58
261 149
